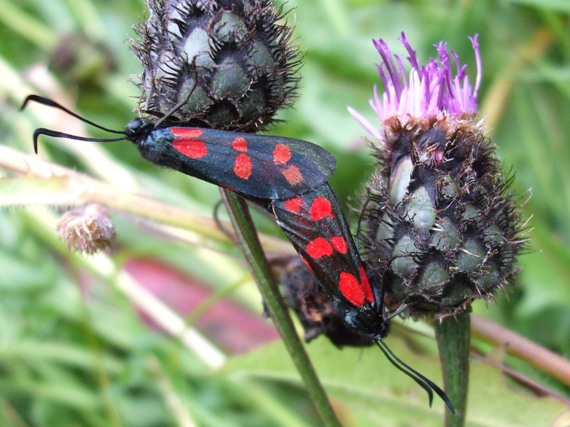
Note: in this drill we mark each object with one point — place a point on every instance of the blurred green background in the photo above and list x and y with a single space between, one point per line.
74 348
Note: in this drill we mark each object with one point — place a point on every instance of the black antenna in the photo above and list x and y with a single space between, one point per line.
56 134
428 385
51 103
360 219
177 106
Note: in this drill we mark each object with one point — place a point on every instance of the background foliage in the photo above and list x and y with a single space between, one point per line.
74 348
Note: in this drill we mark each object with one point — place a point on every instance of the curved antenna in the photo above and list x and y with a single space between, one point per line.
360 219
56 134
378 291
176 107
428 385
51 103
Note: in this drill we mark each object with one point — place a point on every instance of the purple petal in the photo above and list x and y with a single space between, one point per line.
435 90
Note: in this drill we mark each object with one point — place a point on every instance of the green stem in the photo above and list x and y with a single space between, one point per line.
255 257
453 339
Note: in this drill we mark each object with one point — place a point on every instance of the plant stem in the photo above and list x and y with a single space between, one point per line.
453 339
53 185
522 348
255 257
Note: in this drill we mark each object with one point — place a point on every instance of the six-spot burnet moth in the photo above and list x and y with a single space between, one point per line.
288 178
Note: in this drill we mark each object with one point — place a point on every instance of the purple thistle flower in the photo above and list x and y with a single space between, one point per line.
440 227
429 92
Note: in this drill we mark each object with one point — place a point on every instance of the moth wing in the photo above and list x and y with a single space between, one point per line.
315 225
256 166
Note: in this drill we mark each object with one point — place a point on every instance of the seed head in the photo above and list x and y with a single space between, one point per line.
87 229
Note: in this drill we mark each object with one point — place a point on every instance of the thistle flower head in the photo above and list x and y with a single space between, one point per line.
441 228
438 90
227 65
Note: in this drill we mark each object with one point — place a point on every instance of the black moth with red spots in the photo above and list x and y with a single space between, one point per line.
288 178
255 166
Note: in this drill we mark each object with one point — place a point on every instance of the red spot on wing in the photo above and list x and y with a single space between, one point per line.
293 175
281 154
321 208
366 288
339 244
242 166
240 144
193 148
308 265
189 133
319 247
351 289
294 205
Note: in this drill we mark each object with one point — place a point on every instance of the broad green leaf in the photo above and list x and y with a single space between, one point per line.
368 390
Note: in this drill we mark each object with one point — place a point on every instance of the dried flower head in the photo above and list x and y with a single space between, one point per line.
441 228
80 59
87 229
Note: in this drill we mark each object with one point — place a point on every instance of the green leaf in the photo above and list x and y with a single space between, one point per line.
365 387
